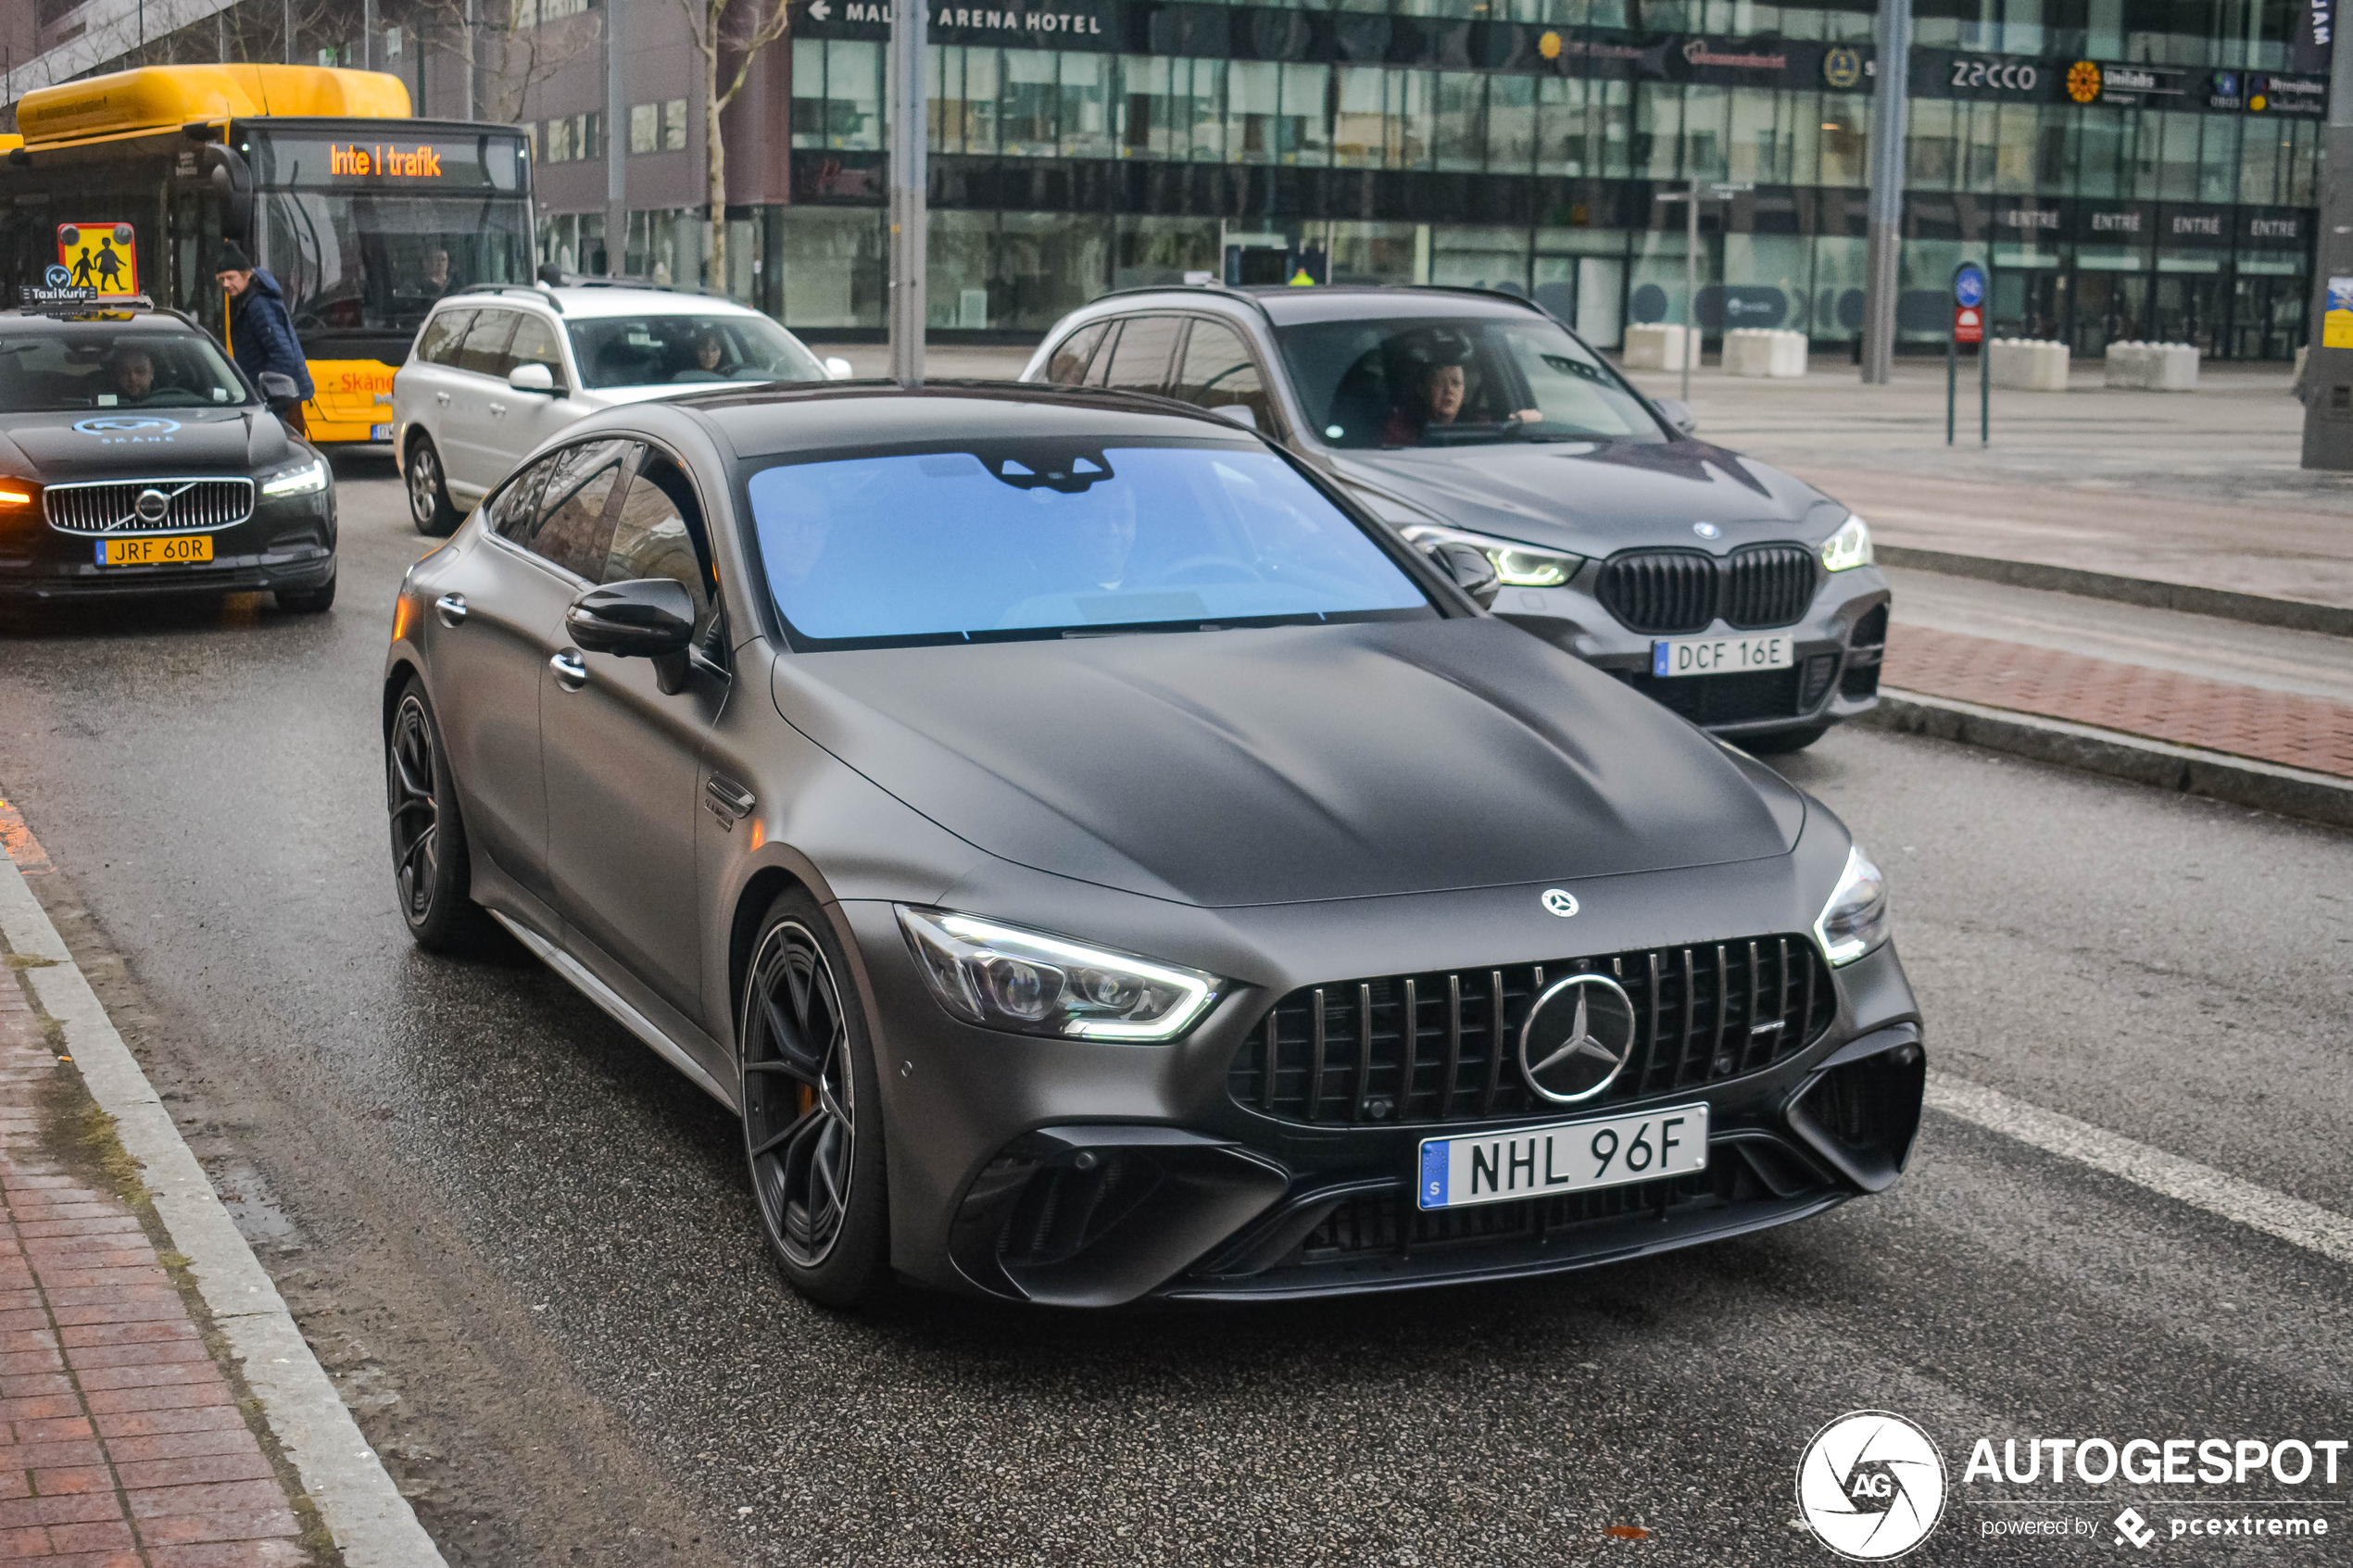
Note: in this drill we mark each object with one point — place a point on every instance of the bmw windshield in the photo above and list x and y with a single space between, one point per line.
1036 538
1457 381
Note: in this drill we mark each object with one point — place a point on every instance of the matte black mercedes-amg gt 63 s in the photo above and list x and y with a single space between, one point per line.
1098 862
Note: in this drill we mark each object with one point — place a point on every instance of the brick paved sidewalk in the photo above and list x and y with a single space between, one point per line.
121 1441
2283 727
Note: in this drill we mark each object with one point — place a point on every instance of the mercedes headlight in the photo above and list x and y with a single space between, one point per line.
303 478
1849 547
1003 977
1854 921
1517 565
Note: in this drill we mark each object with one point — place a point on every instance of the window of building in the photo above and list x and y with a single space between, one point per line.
645 126
1462 120
1303 135
1704 129
1082 117
560 141
1658 132
1025 113
1360 121
1762 145
673 125
836 95
1253 99
1842 139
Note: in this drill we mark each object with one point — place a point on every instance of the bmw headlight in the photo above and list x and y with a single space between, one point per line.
1517 565
303 478
1854 921
1003 977
1849 547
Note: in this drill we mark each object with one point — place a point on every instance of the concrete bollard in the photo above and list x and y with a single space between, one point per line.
2027 364
1763 352
1660 345
2153 367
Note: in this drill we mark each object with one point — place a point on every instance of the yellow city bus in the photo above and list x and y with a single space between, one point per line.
363 214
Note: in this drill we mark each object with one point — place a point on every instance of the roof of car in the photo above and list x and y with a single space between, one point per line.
589 301
843 416
1284 305
99 315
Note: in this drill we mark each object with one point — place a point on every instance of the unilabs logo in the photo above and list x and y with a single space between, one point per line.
417 163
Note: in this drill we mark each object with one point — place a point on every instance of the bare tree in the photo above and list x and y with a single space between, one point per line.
709 24
511 47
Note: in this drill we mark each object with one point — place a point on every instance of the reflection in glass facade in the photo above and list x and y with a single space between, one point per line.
2124 168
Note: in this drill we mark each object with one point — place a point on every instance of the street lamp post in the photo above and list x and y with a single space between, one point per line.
909 130
1889 120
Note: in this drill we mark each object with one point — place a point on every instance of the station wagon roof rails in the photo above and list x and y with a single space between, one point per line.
1221 290
536 291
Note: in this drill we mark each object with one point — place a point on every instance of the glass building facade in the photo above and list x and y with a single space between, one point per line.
2124 168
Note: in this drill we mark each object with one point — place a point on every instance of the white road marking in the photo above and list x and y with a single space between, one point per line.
2186 1181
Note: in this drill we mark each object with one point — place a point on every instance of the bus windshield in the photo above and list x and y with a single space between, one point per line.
377 260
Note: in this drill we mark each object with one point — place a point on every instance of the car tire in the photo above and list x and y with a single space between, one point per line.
307 601
814 1152
1784 740
428 488
432 871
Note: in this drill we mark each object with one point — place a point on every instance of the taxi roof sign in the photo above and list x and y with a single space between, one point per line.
168 96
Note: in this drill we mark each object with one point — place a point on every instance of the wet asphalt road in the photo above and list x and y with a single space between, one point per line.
526 1250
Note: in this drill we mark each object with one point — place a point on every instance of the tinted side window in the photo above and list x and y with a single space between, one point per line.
515 506
659 533
535 344
1139 362
1100 370
574 525
1218 372
484 348
438 344
1068 366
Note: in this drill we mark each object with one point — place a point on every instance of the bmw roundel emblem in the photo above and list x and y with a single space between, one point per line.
1708 531
119 424
57 277
1560 901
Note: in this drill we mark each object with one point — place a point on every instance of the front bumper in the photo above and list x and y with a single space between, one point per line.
1069 1173
1837 648
287 543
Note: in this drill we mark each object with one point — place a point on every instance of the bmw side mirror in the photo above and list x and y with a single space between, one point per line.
531 376
839 368
279 390
1470 569
1678 415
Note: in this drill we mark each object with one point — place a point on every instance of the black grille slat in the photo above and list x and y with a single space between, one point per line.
1698 1013
110 506
1668 592
1767 585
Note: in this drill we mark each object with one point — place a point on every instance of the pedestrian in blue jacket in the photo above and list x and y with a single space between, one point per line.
261 335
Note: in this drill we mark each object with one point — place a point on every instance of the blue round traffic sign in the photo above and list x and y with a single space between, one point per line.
1969 284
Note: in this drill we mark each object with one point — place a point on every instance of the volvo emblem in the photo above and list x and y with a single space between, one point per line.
151 505
1708 531
1577 1038
1560 901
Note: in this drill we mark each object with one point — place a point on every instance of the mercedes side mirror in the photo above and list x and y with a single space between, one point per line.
531 376
840 368
279 391
646 617
1678 415
1470 569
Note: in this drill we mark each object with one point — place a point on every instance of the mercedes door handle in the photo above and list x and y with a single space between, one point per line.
452 607
570 674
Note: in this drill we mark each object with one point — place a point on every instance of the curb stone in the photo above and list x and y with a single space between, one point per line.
2151 593
2241 780
372 1523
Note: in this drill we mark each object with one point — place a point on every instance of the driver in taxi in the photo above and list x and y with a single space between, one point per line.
132 371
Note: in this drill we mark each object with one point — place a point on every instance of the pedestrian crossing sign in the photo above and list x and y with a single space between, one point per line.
104 256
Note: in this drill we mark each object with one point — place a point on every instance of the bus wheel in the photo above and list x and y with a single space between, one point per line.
429 505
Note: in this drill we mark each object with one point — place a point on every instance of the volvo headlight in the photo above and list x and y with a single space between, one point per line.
1517 565
1003 977
1854 921
303 479
1849 547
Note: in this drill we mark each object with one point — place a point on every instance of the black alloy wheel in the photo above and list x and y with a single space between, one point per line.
812 1131
429 506
430 867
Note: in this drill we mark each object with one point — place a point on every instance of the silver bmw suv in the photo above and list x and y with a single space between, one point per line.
498 367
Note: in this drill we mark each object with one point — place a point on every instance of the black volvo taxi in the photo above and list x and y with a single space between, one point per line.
137 458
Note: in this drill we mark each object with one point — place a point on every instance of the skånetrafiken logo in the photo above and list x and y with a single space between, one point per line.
1871 1486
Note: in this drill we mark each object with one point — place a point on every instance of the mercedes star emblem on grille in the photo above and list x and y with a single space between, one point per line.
151 505
1560 901
1577 1038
